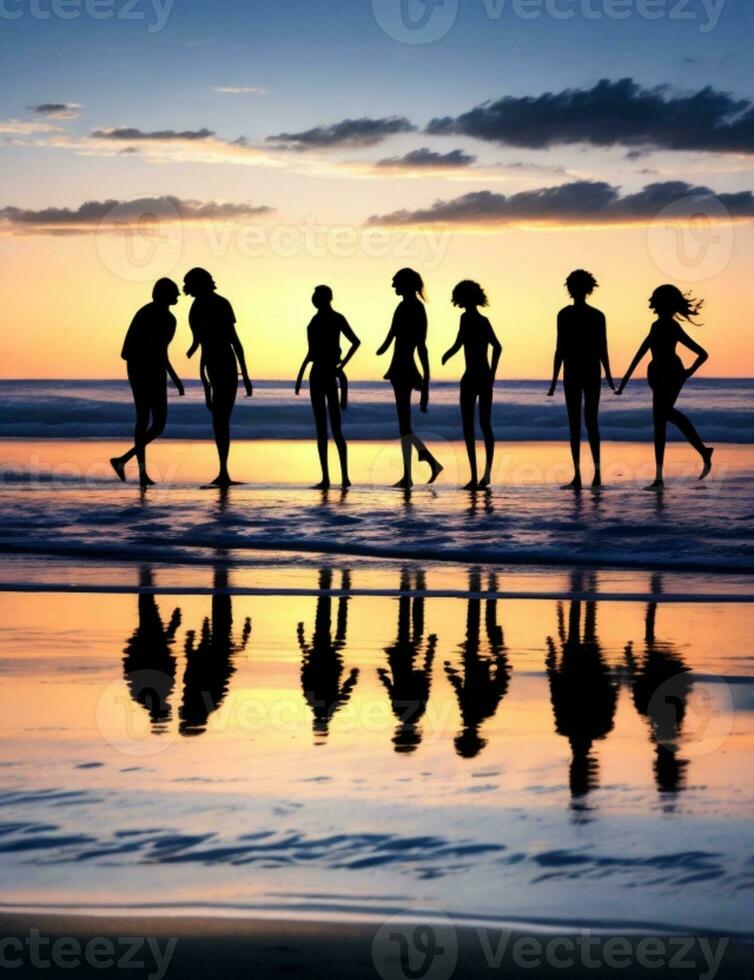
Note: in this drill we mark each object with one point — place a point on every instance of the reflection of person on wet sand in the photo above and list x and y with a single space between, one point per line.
483 681
209 663
149 664
322 664
660 685
582 691
409 675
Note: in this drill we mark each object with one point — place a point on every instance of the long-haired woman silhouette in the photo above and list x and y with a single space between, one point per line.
145 351
213 325
667 374
327 377
475 335
409 332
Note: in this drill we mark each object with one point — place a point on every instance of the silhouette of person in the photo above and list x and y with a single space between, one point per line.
145 351
583 693
667 374
213 326
322 663
581 351
483 681
660 686
148 662
408 332
408 678
326 376
475 335
209 662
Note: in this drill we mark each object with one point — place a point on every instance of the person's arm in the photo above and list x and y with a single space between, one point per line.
421 349
497 350
701 353
302 371
235 343
457 345
604 355
641 352
558 359
354 341
174 378
389 339
205 382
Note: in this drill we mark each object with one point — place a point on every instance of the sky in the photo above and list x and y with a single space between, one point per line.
282 144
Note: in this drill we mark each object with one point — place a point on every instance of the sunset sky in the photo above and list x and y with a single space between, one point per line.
283 143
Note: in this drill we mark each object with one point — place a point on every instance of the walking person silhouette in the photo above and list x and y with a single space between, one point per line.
475 335
145 351
408 332
326 377
667 375
213 325
581 351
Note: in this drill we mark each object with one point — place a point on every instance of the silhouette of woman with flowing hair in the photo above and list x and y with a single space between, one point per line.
408 333
476 336
660 685
408 678
667 374
322 664
213 325
209 662
581 351
583 693
483 681
327 379
145 351
149 663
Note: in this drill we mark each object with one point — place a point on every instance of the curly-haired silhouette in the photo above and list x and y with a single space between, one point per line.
209 662
667 374
581 351
145 351
483 680
476 337
149 663
408 678
408 332
583 693
326 377
660 685
322 680
213 325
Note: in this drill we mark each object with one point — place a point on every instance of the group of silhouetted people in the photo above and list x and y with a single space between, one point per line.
581 352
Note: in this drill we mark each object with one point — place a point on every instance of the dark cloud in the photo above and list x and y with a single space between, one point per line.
57 110
131 133
610 114
424 157
93 214
348 132
580 202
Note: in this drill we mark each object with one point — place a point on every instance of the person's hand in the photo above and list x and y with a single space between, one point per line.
424 400
180 389
248 387
619 389
298 386
611 385
551 392
445 358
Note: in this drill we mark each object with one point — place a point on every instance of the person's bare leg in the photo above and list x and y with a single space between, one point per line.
469 435
221 426
485 424
591 417
320 421
339 439
660 436
686 426
573 407
403 407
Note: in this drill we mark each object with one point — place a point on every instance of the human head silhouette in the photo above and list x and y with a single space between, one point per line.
669 301
165 291
322 297
581 284
198 282
468 294
408 282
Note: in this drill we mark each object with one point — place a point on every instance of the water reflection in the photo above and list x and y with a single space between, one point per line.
660 685
149 664
483 678
408 677
322 660
583 691
209 661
